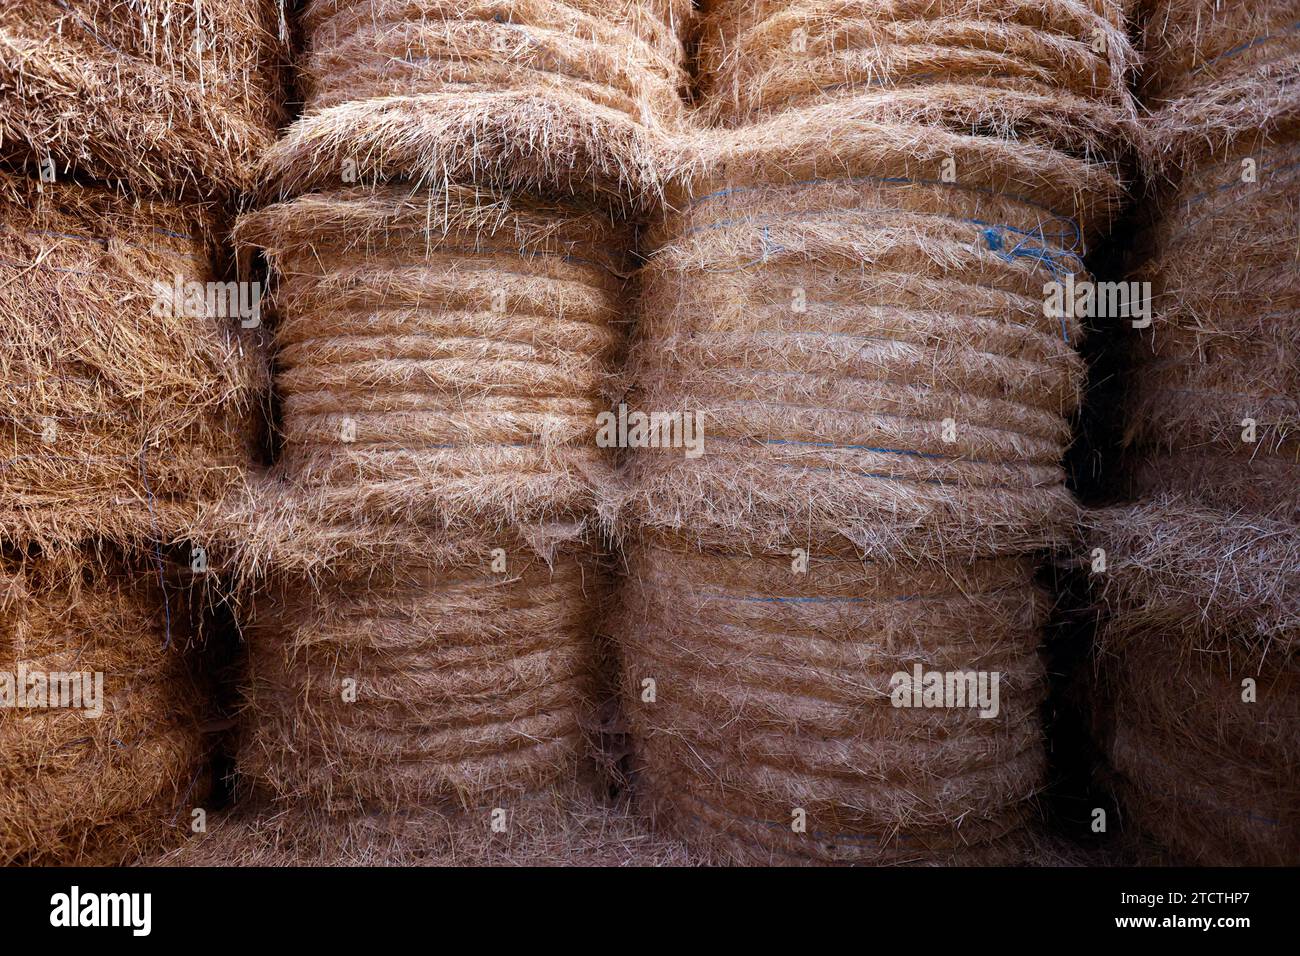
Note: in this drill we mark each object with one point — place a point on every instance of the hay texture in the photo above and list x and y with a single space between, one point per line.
1224 349
1215 70
1195 603
441 358
565 828
80 790
558 96
120 415
831 309
471 685
172 97
1175 567
623 56
772 691
1055 73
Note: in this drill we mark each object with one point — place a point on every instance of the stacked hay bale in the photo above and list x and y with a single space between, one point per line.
1000 68
1199 648
563 96
850 297
168 96
622 56
441 357
125 408
469 684
128 378
1199 710
116 776
440 381
448 317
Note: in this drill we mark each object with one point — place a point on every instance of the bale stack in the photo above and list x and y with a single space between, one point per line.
441 359
1199 653
128 378
448 317
563 96
116 778
1223 145
850 297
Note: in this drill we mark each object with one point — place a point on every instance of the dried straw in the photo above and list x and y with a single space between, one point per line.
470 684
119 418
1195 602
170 96
1199 579
825 428
624 55
772 692
1213 778
1225 345
558 97
1216 70
554 829
441 360
1054 73
1173 567
75 790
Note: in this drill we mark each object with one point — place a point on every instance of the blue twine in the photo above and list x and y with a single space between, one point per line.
871 448
1049 259
1247 45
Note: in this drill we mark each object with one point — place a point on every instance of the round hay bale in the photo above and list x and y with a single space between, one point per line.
1212 777
1054 72
865 345
624 56
1215 70
123 411
76 789
441 358
770 693
1195 602
408 684
1215 381
172 97
558 97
